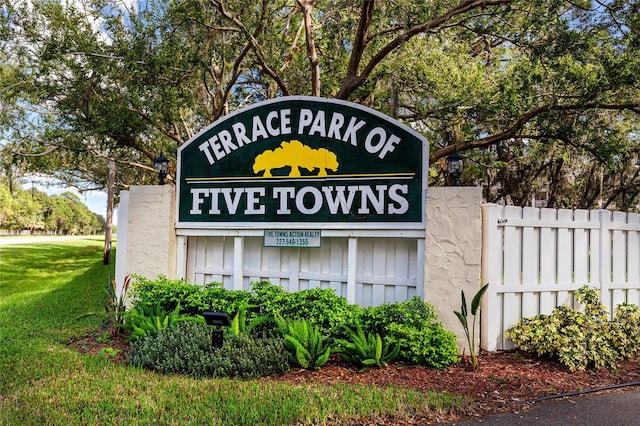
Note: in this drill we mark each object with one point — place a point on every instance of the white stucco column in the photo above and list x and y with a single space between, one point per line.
151 237
453 253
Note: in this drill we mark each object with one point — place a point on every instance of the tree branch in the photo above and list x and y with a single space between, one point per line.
172 135
512 132
307 6
39 154
254 44
353 80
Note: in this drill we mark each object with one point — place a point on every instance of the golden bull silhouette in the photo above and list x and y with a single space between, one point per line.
295 154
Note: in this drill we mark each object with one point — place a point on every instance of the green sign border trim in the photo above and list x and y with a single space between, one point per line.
319 104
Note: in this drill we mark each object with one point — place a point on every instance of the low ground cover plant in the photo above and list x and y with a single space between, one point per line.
185 348
581 339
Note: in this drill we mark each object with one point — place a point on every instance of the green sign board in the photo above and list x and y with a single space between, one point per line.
303 160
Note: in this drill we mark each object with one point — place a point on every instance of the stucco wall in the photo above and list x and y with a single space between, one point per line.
453 252
151 236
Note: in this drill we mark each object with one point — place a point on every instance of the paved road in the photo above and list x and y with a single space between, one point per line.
613 408
43 239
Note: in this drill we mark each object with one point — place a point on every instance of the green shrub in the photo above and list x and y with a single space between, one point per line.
193 299
414 311
142 321
626 330
577 339
365 351
429 344
321 307
304 343
186 349
167 293
264 292
214 297
414 326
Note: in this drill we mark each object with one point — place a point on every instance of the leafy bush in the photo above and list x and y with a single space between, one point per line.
321 307
376 319
429 344
167 293
186 349
626 330
365 351
304 343
580 339
193 299
144 321
414 326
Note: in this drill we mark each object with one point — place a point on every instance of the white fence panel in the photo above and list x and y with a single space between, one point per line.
564 259
530 263
381 269
548 256
633 263
211 259
535 259
512 265
619 261
581 248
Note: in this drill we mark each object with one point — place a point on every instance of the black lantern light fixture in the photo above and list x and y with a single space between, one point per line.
217 319
161 166
455 166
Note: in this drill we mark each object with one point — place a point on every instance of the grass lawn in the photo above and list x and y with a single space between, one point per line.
44 288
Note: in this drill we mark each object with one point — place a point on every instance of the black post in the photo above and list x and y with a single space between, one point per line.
216 337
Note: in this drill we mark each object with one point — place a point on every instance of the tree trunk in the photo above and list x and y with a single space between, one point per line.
111 177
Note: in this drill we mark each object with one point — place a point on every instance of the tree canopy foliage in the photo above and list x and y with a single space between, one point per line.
34 210
539 96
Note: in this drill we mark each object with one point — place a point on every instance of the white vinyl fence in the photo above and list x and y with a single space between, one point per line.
534 259
368 270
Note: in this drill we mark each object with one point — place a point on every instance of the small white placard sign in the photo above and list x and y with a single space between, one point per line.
292 238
